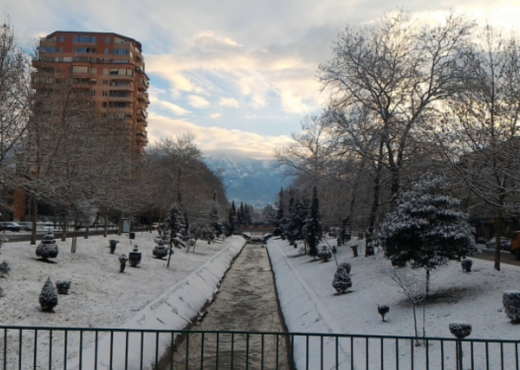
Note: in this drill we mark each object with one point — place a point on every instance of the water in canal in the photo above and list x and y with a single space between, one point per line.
246 302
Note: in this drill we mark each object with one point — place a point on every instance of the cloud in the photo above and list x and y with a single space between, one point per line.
215 115
229 102
213 139
198 102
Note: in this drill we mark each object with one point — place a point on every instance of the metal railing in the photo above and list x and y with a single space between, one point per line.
91 348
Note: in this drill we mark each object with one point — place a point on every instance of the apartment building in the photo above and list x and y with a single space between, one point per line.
109 65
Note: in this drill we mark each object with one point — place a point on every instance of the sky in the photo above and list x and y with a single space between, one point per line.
240 75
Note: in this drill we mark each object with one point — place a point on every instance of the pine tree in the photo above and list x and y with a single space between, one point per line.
427 227
48 296
313 228
280 222
173 226
232 218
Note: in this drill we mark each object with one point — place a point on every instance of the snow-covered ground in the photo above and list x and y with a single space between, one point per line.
310 303
153 296
150 296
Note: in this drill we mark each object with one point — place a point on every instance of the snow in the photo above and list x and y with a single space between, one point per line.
152 296
149 296
310 303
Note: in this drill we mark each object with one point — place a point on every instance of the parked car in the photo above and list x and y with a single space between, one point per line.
11 226
505 243
25 225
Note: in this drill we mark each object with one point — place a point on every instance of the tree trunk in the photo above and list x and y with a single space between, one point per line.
34 216
65 227
498 235
376 191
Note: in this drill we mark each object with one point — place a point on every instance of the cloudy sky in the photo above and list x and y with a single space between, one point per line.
238 74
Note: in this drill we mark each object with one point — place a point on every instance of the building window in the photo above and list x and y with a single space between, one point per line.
107 40
105 82
104 104
105 93
60 49
84 50
105 71
121 51
121 61
107 51
93 82
62 38
93 93
93 71
85 39
48 49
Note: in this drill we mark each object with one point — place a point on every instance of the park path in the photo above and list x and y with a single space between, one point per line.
246 302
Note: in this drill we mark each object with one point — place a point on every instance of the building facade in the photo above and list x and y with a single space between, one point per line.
107 68
110 66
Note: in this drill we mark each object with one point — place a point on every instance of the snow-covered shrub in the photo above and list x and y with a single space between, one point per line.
63 286
325 253
4 269
48 247
383 310
160 251
112 245
460 329
48 296
466 265
511 302
134 257
341 281
122 262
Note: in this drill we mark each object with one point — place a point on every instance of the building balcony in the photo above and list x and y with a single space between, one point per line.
125 99
141 114
143 84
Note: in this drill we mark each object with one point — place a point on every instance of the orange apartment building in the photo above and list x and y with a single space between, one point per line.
110 66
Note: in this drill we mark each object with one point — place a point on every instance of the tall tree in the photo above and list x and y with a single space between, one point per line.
394 73
313 229
232 218
480 137
15 94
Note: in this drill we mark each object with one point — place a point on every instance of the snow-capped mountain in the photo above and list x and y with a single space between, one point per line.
252 181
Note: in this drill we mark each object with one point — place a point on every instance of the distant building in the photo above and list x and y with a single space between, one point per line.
109 65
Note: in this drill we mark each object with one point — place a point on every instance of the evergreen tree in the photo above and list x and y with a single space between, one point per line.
269 215
298 213
173 225
240 215
313 228
427 227
280 222
232 218
248 219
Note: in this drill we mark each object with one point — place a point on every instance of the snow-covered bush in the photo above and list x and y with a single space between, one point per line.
160 251
4 269
466 265
48 247
63 286
134 257
460 329
383 310
325 254
511 302
48 296
341 281
122 262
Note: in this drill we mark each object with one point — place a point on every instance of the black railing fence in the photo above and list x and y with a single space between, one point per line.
92 348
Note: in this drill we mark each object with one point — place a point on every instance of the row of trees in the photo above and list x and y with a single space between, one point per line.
406 97
63 155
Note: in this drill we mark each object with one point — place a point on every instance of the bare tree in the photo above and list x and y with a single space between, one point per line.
480 137
14 105
395 73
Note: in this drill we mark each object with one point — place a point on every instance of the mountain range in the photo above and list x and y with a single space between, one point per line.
252 181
